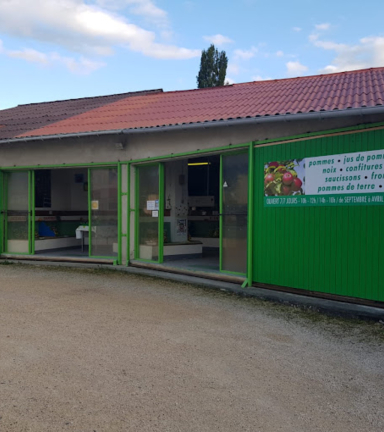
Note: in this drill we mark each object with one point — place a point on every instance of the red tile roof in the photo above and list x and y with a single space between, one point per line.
27 118
339 91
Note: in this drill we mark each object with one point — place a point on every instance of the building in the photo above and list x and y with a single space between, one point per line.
276 183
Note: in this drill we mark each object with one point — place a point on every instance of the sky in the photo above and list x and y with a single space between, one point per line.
64 49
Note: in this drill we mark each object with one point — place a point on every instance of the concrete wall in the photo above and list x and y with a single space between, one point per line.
137 146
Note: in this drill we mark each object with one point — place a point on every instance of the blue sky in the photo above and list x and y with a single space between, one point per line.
62 49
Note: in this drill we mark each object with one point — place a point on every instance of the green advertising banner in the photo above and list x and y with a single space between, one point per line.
335 180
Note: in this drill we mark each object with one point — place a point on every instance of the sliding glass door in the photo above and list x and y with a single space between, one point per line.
234 212
103 212
18 212
149 212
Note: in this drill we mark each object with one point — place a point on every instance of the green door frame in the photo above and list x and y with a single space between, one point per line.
249 147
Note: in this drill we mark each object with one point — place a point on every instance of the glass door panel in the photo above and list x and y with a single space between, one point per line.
147 215
234 212
103 221
17 221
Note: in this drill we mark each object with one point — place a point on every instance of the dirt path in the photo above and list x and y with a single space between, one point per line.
104 352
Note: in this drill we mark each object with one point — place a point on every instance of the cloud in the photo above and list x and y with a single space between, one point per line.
145 8
229 81
260 78
85 27
218 39
29 55
324 26
296 29
279 53
295 68
81 66
245 54
369 52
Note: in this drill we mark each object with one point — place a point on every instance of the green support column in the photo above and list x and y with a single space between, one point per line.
161 212
250 215
119 214
221 214
137 213
1 212
128 213
32 212
5 214
89 214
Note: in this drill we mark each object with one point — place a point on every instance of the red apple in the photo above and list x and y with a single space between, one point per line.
269 178
273 164
287 178
296 184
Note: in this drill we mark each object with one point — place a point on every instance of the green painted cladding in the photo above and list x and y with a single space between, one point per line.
334 250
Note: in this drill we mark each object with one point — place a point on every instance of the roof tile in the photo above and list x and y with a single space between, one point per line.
155 108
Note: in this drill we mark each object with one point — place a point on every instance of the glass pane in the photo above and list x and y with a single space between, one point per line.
234 252
235 210
104 214
148 233
17 213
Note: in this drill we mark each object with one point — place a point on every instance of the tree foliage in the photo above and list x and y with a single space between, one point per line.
213 68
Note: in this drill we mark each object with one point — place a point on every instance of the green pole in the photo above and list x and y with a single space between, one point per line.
29 177
251 164
137 211
128 212
161 212
119 214
89 214
5 206
1 211
221 214
33 225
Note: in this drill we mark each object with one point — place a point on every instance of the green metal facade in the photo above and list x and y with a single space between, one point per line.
333 250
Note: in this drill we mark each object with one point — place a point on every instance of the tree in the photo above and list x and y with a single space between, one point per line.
213 68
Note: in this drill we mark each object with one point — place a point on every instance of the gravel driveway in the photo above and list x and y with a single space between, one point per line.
103 351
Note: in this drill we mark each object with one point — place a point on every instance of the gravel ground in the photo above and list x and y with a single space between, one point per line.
103 351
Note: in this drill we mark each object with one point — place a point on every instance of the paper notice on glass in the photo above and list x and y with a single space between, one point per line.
95 205
155 213
151 205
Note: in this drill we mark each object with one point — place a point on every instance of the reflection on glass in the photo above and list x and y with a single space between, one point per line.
17 212
148 206
235 211
104 213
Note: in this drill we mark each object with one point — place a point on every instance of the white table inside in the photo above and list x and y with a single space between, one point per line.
80 234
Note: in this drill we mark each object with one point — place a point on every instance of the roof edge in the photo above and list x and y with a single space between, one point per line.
285 118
